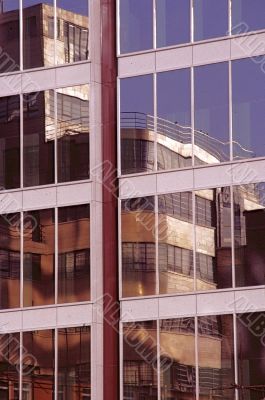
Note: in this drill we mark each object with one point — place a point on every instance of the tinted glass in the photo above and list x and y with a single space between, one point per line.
213 238
9 36
9 359
9 259
174 136
74 254
249 223
137 124
248 108
38 257
72 31
173 22
211 134
74 363
247 15
175 249
73 133
136 25
38 33
210 19
10 142
138 247
39 137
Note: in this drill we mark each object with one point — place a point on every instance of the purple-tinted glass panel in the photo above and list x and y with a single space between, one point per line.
210 19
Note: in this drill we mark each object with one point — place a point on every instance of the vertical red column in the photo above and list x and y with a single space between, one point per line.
110 202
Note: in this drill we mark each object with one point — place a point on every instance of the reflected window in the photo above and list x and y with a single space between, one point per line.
248 87
136 25
10 142
9 361
137 124
247 16
174 136
38 257
210 19
211 135
73 133
138 247
39 138
173 22
74 254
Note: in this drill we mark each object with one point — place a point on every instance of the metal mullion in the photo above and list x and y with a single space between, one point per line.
20 365
155 119
158 360
55 363
230 17
235 354
21 131
192 114
21 34
197 358
156 233
56 255
191 22
55 32
154 24
55 105
233 237
194 240
121 359
21 259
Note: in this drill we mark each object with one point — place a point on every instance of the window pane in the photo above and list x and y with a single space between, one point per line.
74 363
249 229
138 247
175 250
177 350
216 357
72 31
10 142
38 365
140 360
74 254
248 108
137 124
174 119
211 134
213 239
136 25
9 361
39 135
210 19
9 36
10 260
38 257
73 133
247 15
173 22
38 46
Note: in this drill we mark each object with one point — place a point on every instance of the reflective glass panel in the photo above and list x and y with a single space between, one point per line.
248 85
137 124
74 254
247 15
72 31
249 230
10 142
177 359
211 134
39 137
74 363
172 22
38 33
9 361
216 357
175 248
138 247
38 257
73 133
140 360
210 19
9 36
174 135
38 365
9 260
136 25
213 238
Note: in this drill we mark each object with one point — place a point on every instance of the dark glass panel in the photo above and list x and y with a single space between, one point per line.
213 239
39 136
74 363
210 19
10 142
9 361
175 249
137 124
174 135
74 254
73 133
136 25
247 15
38 257
138 247
211 134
